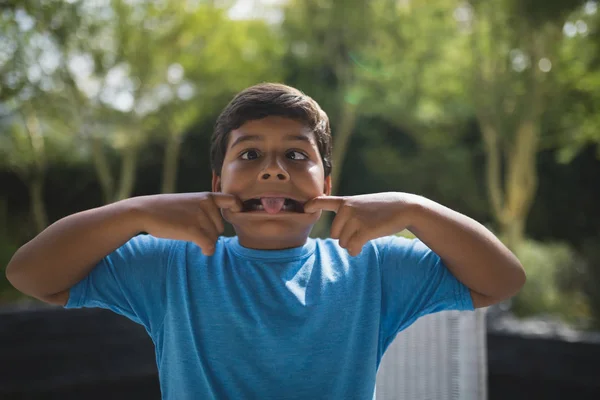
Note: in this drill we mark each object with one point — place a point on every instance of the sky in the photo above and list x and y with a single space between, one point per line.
268 9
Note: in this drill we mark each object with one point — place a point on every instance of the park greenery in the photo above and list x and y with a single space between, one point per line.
486 106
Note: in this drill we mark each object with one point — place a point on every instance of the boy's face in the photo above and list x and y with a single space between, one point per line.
273 165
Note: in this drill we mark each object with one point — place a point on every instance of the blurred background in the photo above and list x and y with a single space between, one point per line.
489 107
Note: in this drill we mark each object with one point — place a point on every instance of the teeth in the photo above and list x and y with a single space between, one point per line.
287 206
260 207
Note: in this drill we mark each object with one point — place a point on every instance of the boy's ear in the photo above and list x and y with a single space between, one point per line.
216 182
327 186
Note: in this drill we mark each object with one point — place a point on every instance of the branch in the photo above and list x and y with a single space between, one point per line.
102 169
347 122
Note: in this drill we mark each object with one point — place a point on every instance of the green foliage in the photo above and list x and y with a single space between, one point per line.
554 282
418 51
579 120
408 67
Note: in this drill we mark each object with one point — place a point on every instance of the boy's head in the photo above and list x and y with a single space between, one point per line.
272 148
276 100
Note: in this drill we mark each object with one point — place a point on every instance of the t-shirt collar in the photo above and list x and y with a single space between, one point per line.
272 255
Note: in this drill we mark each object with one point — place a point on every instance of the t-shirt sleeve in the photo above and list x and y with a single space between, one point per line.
415 282
130 281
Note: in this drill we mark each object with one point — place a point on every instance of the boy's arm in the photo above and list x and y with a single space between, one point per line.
65 252
471 252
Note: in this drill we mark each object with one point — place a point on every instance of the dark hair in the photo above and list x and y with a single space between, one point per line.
270 99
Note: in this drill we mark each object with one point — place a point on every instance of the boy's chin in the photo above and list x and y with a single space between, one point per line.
272 226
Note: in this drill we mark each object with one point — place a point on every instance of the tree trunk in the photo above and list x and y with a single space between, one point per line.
36 202
102 168
171 163
128 169
512 231
521 181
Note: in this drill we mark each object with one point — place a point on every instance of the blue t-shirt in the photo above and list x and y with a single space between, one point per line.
310 322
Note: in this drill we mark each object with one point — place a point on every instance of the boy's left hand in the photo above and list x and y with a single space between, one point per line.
364 217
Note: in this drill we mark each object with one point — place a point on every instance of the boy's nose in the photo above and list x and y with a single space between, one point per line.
280 177
274 170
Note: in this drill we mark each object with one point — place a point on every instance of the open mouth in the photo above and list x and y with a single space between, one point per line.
273 205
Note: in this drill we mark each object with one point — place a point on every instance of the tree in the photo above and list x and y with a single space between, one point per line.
115 78
32 132
578 119
152 69
321 37
514 48
211 57
385 59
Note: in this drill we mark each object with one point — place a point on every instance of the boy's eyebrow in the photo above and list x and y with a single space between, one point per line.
290 137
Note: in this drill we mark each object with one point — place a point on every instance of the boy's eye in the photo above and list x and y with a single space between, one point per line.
249 155
296 155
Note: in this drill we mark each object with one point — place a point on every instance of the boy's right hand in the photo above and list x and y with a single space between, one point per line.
192 217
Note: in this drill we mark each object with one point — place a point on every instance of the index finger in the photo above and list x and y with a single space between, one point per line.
227 201
328 203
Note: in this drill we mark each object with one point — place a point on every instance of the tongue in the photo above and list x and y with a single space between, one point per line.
272 205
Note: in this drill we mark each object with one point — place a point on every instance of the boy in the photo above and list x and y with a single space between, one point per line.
269 313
